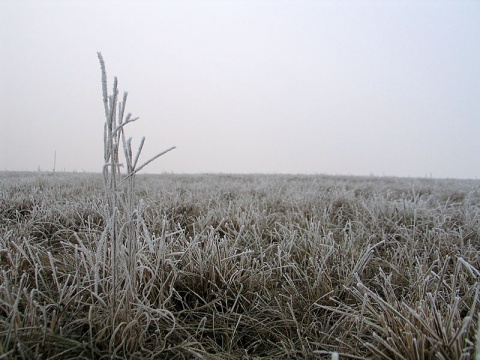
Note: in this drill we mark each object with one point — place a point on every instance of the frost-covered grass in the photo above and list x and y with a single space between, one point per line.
242 266
125 230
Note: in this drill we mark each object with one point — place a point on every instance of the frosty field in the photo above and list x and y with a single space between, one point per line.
242 266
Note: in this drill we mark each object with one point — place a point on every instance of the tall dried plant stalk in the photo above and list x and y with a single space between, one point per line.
121 236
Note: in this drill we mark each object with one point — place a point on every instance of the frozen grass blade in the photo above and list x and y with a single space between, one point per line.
477 346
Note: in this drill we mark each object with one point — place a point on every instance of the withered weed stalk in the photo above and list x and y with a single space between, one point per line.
123 231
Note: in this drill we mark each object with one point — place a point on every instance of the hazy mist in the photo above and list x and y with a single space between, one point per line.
331 87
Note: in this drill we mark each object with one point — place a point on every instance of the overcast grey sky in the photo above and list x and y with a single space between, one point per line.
332 87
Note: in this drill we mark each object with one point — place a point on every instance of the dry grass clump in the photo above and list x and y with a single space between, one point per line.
243 266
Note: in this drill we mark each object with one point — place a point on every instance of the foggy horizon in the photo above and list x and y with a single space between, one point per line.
246 87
